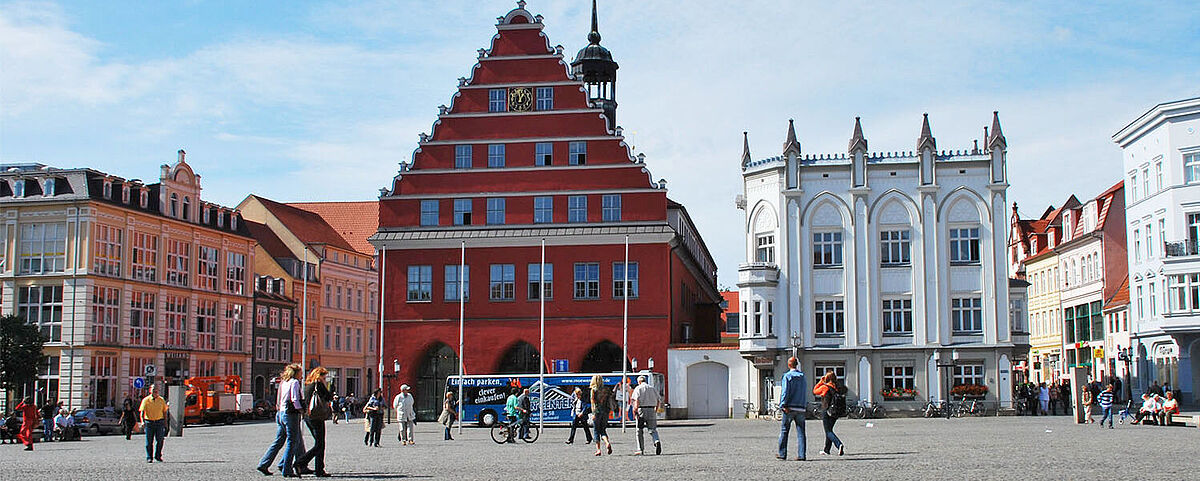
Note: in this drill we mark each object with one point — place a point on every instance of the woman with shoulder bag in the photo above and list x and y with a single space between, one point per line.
602 405
833 402
317 401
449 414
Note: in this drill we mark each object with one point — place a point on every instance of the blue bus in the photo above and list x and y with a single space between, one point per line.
485 395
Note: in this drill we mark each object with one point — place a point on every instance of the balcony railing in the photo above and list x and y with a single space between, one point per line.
1183 248
757 273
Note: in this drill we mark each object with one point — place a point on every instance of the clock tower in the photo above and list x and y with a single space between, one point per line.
594 65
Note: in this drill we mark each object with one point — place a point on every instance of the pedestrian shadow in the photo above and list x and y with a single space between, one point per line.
376 476
857 458
897 453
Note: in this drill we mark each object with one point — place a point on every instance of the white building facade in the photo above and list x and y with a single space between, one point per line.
1161 158
882 267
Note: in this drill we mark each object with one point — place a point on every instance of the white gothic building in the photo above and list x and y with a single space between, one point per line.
881 266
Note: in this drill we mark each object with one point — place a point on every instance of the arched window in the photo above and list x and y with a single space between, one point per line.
174 205
187 208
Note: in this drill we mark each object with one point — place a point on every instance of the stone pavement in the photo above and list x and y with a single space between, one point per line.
967 448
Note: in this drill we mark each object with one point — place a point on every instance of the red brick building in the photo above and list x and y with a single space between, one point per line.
527 152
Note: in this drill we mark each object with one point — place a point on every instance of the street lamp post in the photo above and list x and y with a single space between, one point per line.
395 374
1126 355
937 356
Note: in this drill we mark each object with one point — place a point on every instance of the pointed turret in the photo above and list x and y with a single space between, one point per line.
746 150
595 66
926 139
857 141
791 145
996 141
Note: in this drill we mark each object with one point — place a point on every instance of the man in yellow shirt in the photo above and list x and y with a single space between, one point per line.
154 423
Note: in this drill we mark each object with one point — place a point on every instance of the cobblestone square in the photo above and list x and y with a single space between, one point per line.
968 448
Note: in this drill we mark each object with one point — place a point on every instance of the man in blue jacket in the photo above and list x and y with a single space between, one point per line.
792 402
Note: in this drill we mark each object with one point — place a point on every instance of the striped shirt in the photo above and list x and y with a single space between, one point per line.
1106 399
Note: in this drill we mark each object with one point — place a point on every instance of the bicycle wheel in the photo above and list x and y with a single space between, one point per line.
856 412
499 433
879 412
533 435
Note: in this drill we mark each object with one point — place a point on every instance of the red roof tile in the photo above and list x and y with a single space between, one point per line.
1121 297
268 240
307 226
354 221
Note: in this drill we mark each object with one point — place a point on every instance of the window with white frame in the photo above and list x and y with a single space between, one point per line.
206 325
273 317
577 153
1191 167
968 373
337 337
495 210
175 311
827 249
535 280
260 349
967 315
429 212
758 315
894 247
587 280
106 315
545 98
179 261
830 318
273 349
619 274
462 211
1149 241
964 245
1146 180
838 368
496 155
285 319
1158 175
543 210
897 317
42 306
543 153
141 319
235 273
577 208
145 257
207 259
899 376
462 156
1133 184
1137 245
453 288
107 247
502 282
43 247
611 207
260 316
235 326
497 100
770 318
420 283
764 248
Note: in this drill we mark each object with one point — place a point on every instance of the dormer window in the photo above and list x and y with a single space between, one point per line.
205 218
19 188
187 208
125 194
233 222
220 219
144 199
107 190
48 191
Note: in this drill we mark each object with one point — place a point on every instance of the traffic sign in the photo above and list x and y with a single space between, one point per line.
139 383
562 365
151 370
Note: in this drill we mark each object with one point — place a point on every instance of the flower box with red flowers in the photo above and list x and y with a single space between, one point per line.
969 391
898 394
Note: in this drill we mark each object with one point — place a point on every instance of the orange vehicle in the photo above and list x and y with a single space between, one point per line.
213 399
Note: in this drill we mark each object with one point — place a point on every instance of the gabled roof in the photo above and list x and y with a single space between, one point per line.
1121 297
268 240
309 227
354 221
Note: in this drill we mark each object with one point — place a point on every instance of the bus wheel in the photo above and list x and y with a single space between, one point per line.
487 419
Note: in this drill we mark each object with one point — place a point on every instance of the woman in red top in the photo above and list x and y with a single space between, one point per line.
29 415
825 388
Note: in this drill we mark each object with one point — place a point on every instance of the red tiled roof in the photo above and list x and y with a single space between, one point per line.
268 240
307 226
1121 297
354 221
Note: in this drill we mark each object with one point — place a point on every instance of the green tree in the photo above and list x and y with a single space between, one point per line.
20 352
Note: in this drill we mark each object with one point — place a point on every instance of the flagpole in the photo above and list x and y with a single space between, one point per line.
462 280
304 312
542 333
382 286
625 336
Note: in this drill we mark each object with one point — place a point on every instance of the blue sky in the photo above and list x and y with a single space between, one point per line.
321 100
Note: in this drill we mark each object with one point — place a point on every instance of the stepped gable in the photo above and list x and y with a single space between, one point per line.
520 57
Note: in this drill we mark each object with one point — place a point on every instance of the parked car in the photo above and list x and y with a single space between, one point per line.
98 421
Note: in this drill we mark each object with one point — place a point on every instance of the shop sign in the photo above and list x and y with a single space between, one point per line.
1166 350
764 360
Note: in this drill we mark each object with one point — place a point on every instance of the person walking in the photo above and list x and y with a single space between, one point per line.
48 411
1105 399
792 402
524 409
128 417
318 404
647 400
336 405
1044 399
29 415
602 405
1085 397
405 415
579 414
289 405
350 402
833 402
153 410
373 412
448 416
1053 398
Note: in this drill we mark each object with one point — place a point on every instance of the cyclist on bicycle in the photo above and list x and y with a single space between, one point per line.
512 411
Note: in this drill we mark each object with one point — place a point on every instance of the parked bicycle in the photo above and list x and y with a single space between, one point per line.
865 410
773 413
505 432
935 409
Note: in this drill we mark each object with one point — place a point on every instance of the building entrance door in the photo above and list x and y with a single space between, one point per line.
708 390
439 363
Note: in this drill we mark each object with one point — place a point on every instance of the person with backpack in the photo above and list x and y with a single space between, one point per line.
833 406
